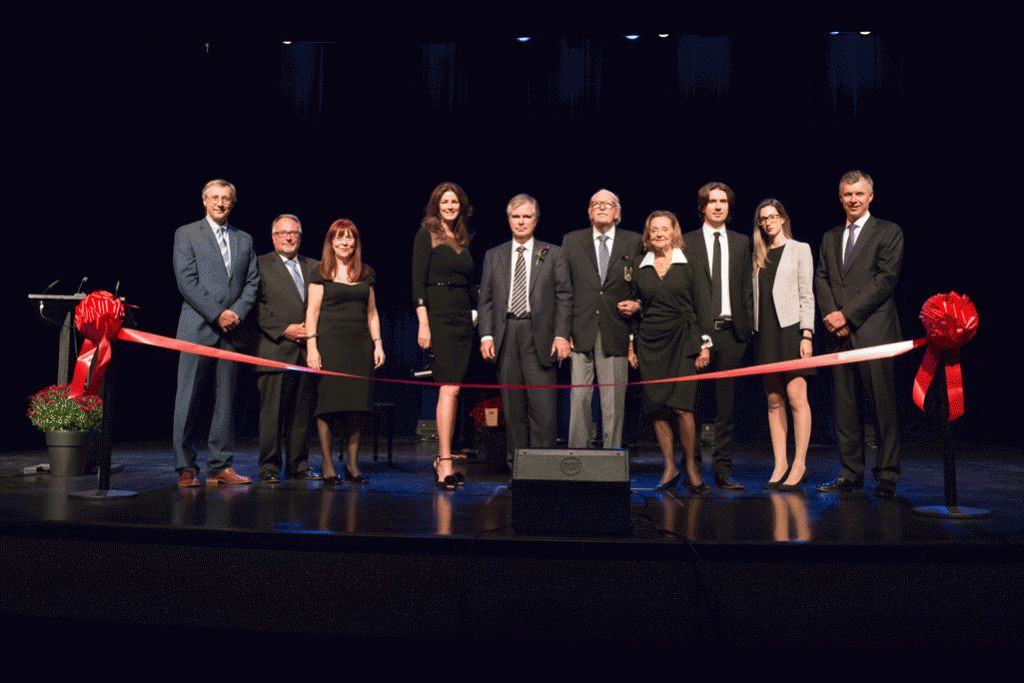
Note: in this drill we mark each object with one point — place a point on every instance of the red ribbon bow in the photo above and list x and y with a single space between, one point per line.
98 317
950 321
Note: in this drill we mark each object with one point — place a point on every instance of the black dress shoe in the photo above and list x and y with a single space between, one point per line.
306 475
670 484
885 489
840 485
270 477
728 484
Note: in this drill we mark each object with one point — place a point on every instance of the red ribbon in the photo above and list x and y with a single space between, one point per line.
950 321
98 317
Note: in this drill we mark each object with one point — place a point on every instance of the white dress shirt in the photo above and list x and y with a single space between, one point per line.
709 242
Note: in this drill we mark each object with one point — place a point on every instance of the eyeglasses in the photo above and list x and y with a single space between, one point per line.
290 233
602 205
765 220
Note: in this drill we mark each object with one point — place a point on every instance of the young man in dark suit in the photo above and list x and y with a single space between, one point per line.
724 289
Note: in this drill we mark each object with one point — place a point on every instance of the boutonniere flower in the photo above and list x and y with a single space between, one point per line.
542 253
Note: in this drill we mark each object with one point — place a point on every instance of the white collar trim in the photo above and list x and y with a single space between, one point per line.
677 257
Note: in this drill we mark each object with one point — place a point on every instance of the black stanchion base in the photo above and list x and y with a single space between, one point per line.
951 512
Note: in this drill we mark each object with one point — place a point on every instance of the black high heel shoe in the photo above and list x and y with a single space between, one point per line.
356 478
774 485
448 483
670 484
696 488
793 488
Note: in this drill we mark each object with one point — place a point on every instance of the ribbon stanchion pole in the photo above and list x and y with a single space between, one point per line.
951 321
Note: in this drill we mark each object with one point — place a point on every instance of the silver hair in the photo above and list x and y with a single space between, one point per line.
286 215
853 177
618 204
518 201
220 182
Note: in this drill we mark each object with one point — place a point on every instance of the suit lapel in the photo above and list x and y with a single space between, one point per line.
702 255
866 232
534 266
503 266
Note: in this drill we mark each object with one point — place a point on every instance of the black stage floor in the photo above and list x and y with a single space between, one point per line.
747 567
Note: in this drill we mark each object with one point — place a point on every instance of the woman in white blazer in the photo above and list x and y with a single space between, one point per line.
784 321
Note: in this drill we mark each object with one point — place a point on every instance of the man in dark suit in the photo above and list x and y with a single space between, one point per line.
857 272
525 305
725 310
286 397
601 261
215 268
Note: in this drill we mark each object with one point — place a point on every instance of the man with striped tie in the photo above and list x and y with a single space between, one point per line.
525 307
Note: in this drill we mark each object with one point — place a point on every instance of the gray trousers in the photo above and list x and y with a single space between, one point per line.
610 370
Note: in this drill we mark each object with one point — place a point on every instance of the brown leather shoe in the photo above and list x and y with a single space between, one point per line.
227 476
187 479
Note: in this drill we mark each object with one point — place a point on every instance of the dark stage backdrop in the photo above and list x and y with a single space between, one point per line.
119 140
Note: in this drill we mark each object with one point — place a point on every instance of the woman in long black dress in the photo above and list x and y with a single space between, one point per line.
668 344
344 336
442 271
784 320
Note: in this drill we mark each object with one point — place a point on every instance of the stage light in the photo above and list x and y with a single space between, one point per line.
632 37
663 35
524 39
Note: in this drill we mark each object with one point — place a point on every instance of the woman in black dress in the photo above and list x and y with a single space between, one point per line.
668 344
344 336
442 272
784 320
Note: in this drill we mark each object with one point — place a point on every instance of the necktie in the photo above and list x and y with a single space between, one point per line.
518 305
602 257
293 268
848 252
225 248
716 277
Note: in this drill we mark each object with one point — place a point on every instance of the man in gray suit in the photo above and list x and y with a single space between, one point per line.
857 272
600 261
286 396
724 300
525 305
215 268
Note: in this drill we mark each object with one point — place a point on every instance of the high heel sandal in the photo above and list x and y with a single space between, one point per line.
670 484
793 488
449 482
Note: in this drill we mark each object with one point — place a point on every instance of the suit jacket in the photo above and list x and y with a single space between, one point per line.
208 288
793 290
279 305
862 289
550 296
594 303
741 288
